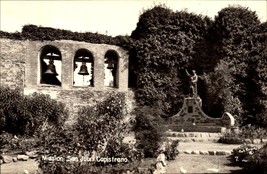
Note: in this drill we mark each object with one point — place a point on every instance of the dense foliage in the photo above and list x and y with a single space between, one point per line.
148 132
92 143
33 32
241 42
246 134
27 115
165 47
172 151
228 54
251 158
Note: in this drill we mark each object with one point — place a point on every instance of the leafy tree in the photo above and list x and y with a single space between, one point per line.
240 43
234 29
165 46
218 97
256 80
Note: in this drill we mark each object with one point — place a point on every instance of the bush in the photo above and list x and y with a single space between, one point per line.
253 132
6 140
171 151
148 142
20 144
258 161
241 155
97 134
251 158
246 132
231 138
27 115
99 123
148 130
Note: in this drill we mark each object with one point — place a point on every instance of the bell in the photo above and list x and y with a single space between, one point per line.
83 69
51 69
110 65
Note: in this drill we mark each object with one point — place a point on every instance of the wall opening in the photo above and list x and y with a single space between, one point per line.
50 65
111 68
83 69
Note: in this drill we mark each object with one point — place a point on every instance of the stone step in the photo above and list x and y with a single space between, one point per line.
210 129
192 134
193 139
206 152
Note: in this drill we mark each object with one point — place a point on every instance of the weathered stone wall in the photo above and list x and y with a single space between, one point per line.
79 97
20 67
12 62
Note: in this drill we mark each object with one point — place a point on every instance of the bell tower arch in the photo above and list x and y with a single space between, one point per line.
50 65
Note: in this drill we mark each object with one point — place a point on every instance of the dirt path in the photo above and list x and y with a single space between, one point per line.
18 167
206 146
192 163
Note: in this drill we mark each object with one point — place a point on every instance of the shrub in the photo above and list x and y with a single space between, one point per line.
20 144
148 142
241 154
258 161
99 123
253 132
97 134
246 132
27 115
231 138
6 140
251 158
171 151
148 130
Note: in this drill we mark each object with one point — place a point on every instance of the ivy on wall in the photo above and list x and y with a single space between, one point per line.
33 32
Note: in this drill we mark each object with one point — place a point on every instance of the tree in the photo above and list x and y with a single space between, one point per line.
240 43
165 47
218 96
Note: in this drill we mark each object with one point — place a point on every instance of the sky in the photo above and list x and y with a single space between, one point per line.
111 17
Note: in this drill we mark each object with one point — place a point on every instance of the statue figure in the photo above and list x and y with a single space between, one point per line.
193 82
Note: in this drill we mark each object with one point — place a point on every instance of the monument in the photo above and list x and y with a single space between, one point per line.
191 116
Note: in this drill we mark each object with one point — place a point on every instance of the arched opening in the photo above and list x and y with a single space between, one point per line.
111 68
50 65
83 68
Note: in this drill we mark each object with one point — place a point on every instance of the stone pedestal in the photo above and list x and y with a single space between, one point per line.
192 115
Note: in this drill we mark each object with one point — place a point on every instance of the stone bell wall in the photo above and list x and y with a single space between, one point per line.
20 68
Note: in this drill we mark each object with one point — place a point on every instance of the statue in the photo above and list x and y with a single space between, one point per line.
193 82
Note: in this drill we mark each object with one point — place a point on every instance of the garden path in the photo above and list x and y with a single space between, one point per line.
192 163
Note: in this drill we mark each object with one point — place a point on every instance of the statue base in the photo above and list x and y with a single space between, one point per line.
192 115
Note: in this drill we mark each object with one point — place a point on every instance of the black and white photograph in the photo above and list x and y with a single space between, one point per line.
133 86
